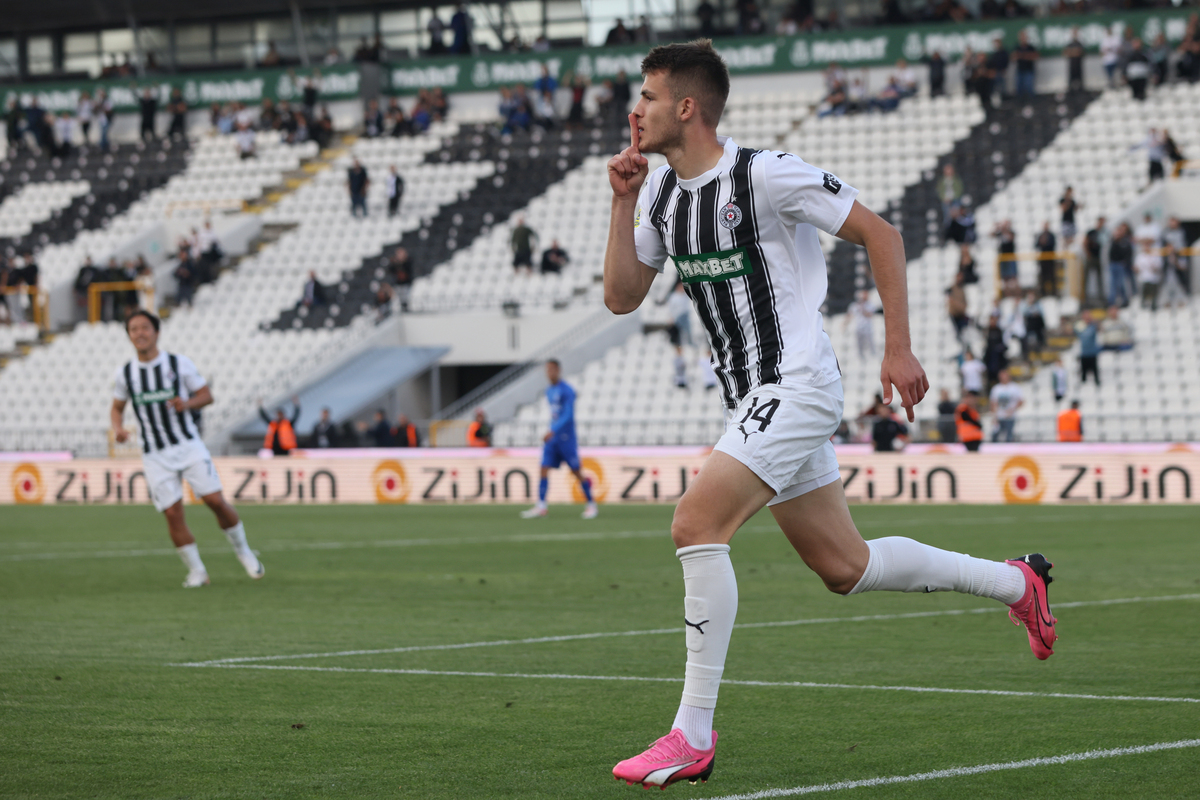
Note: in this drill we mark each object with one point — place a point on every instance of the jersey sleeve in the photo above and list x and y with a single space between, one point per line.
800 192
189 376
120 390
647 240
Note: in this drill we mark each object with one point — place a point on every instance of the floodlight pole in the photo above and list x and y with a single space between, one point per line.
298 33
137 46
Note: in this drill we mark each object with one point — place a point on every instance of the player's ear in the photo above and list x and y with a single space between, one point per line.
687 109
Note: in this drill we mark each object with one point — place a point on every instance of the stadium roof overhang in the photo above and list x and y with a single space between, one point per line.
57 15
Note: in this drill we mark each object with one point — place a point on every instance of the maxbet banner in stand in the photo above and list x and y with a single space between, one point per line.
1051 474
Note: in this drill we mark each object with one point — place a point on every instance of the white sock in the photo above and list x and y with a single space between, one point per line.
710 607
898 564
189 554
237 538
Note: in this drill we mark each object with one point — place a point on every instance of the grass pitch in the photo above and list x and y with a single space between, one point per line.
92 620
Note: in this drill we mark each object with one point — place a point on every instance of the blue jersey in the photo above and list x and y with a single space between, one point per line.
562 411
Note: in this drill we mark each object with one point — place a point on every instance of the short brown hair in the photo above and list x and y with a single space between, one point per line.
141 312
696 70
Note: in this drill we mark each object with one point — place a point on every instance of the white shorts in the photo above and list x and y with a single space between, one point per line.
166 482
782 434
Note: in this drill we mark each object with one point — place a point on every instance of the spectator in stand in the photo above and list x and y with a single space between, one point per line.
521 241
208 243
421 116
973 372
372 120
1026 56
14 124
1007 246
325 432
1110 54
554 258
405 434
64 126
997 67
1074 53
645 32
102 109
1005 399
1171 151
439 104
178 109
950 191
961 228
1115 334
967 422
621 97
968 71
1188 66
1148 232
401 268
888 430
937 74
705 13
271 57
1047 246
862 313
311 94
892 13
1148 266
395 121
1160 59
749 18
479 432
87 275
679 306
313 293
945 421
1138 70
149 110
681 377
1093 250
437 34
619 35
322 130
1172 285
357 183
1070 424
281 431
1120 265
1176 239
268 115
84 112
461 26
380 434
905 78
995 348
545 111
1067 207
1058 379
966 265
956 306
888 98
394 188
1034 324
579 86
144 278
1156 152
384 294
185 277
221 118
246 142
836 102
546 82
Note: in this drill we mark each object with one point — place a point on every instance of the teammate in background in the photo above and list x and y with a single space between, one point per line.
741 227
164 388
560 444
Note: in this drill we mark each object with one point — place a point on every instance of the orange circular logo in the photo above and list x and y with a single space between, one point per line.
1021 480
27 485
590 468
391 482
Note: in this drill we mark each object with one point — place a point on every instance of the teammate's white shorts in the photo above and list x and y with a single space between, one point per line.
166 482
782 434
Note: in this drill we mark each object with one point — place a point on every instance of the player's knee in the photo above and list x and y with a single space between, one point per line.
841 578
689 529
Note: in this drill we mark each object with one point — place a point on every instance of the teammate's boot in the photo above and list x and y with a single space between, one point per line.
539 510
254 568
668 760
195 578
1033 609
590 511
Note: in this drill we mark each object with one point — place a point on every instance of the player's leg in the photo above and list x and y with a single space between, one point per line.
725 494
589 510
550 460
819 526
206 484
166 491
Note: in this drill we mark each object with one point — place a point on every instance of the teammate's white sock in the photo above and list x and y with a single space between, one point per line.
189 554
710 607
898 564
237 538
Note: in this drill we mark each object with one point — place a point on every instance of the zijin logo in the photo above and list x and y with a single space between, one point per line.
27 485
711 267
1021 480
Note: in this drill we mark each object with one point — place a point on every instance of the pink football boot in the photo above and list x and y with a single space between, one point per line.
1033 609
668 760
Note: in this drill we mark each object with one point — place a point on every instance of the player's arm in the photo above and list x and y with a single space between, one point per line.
626 280
116 416
885 254
567 416
201 398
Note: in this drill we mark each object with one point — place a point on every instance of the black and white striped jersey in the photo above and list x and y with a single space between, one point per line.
743 238
147 386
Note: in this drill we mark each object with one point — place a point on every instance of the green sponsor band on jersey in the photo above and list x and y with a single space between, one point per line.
712 267
156 396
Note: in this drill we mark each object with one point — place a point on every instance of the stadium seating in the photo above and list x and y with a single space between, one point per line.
37 202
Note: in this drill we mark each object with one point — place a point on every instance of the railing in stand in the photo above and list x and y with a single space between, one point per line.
39 303
145 290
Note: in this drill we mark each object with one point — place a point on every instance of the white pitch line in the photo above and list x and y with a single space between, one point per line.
658 631
642 679
956 772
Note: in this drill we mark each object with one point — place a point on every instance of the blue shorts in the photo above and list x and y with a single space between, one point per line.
558 450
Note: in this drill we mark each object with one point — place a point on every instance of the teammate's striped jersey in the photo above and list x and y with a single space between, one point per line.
147 387
743 238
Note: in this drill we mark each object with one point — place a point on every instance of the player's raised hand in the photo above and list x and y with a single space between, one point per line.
628 169
903 371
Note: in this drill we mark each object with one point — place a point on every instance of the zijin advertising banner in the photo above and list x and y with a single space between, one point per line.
201 89
1047 475
861 47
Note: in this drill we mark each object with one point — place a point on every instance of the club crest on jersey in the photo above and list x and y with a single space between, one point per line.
731 216
832 183
712 267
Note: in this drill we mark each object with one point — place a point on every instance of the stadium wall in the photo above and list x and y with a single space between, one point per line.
1021 475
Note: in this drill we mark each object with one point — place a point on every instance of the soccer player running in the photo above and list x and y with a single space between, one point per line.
560 443
741 228
164 389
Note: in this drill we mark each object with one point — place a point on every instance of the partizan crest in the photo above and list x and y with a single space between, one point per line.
731 216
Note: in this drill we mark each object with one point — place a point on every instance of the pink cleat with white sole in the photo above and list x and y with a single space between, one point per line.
1033 609
669 760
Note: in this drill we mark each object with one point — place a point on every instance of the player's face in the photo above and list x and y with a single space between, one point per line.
142 334
659 127
552 372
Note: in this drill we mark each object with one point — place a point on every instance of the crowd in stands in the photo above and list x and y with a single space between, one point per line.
542 104
18 274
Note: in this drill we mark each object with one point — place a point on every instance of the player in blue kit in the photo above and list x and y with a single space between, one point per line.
561 444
